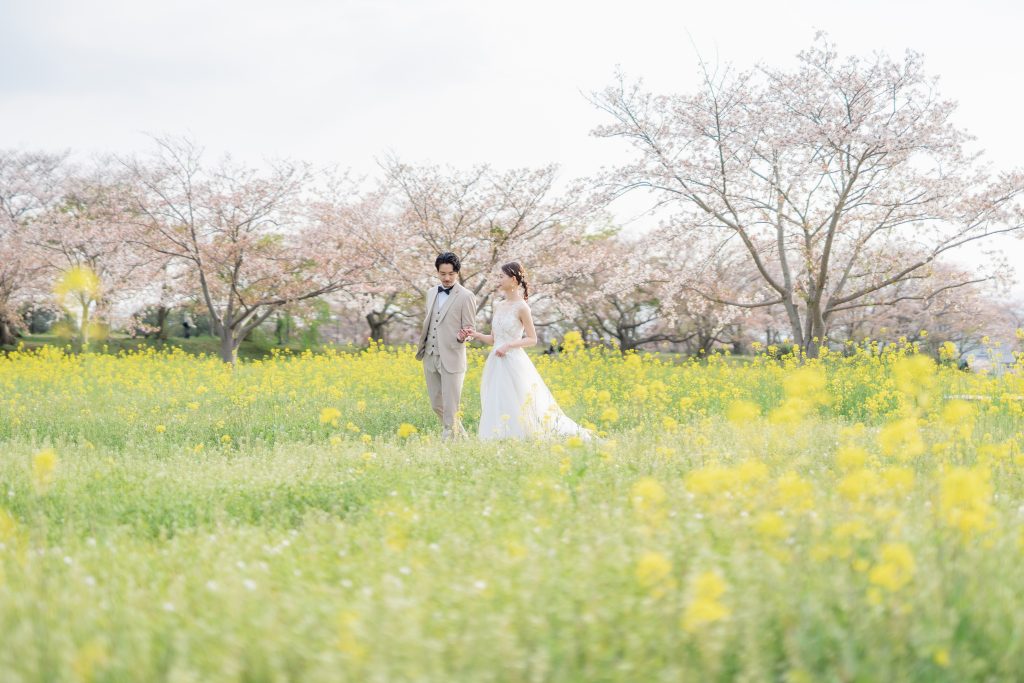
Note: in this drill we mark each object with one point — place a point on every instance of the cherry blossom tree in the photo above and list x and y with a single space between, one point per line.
86 228
167 287
838 179
254 240
489 217
631 295
16 272
30 182
929 315
399 263
1015 313
617 299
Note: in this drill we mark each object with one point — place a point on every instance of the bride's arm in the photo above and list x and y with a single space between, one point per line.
481 337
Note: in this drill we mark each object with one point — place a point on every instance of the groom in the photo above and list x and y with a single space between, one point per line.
451 309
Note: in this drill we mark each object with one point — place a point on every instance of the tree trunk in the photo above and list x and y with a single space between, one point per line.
283 329
626 340
7 337
704 343
163 313
82 339
816 330
378 326
815 344
793 316
228 348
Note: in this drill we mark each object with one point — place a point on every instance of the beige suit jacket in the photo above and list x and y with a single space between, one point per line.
458 312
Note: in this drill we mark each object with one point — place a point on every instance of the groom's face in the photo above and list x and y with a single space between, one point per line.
447 275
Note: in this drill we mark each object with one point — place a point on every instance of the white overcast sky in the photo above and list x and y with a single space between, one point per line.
448 81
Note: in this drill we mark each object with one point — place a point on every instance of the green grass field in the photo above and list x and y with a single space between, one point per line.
166 518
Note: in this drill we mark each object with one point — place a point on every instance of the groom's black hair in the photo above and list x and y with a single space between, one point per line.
448 257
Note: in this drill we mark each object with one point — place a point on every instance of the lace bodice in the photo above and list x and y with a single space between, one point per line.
505 325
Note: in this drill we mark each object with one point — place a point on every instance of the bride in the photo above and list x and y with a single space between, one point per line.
515 402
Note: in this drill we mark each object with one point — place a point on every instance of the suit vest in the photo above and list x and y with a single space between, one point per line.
432 347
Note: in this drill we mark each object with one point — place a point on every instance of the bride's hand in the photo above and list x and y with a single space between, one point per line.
501 350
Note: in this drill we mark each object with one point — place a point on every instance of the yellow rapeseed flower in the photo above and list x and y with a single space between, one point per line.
851 457
648 497
648 492
751 471
708 480
995 453
914 376
795 492
859 484
959 416
895 567
8 526
705 606
957 411
654 573
742 412
853 530
330 416
901 439
808 383
898 480
44 465
572 342
78 281
965 500
948 351
771 525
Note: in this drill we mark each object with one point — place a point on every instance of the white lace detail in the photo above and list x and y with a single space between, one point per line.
506 325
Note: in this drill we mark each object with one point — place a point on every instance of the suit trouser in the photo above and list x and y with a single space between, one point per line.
445 389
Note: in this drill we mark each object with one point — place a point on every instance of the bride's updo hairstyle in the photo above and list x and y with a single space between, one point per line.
513 269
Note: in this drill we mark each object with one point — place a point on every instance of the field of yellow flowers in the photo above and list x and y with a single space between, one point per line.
164 517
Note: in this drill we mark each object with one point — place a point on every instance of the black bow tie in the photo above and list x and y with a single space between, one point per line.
443 289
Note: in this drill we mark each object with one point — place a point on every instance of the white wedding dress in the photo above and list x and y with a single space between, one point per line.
514 401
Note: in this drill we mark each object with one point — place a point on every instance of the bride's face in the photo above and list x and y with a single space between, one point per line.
505 283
